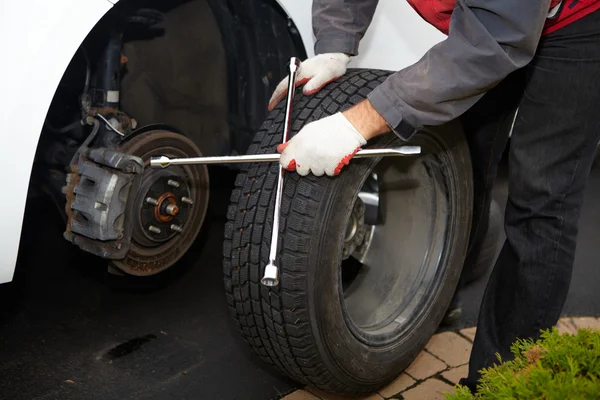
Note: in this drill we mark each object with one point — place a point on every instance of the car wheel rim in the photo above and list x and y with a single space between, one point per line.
393 274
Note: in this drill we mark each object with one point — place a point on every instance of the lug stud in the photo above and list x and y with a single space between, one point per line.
173 183
152 201
172 209
187 200
176 228
154 229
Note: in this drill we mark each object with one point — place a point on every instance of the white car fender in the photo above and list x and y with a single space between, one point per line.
40 37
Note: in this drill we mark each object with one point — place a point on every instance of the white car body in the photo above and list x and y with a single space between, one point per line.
40 37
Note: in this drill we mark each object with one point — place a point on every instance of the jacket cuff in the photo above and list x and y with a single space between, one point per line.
392 113
342 43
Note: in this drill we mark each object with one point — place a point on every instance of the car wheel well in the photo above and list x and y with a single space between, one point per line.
240 47
212 71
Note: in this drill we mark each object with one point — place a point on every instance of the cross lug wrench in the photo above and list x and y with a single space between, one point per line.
271 273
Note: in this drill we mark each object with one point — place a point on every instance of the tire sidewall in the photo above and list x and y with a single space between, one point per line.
349 358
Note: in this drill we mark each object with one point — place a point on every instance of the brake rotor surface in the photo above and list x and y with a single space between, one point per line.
169 207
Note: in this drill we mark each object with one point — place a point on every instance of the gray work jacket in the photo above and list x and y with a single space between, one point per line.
488 39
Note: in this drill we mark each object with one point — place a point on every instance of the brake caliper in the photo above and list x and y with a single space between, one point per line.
99 189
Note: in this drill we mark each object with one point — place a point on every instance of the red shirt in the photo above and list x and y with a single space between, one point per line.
439 12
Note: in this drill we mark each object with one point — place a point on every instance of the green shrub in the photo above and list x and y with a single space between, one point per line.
553 367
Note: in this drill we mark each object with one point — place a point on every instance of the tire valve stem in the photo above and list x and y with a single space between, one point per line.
154 229
152 201
187 200
173 183
176 228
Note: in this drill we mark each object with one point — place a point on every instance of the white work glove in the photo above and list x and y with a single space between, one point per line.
322 147
314 73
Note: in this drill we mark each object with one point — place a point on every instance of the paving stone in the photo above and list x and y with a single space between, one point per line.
565 325
300 395
398 385
431 389
587 322
469 332
424 366
451 348
456 374
327 396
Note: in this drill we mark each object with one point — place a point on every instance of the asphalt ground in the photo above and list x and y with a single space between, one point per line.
67 331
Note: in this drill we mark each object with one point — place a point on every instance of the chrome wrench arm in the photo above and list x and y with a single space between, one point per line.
271 274
164 161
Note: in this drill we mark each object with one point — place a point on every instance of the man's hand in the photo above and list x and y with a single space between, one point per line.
326 145
322 147
314 73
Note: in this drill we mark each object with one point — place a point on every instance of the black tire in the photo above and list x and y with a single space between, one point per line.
302 326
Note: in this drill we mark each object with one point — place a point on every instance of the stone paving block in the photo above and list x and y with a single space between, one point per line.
398 385
469 332
424 366
431 389
456 374
300 395
451 348
587 322
565 325
327 396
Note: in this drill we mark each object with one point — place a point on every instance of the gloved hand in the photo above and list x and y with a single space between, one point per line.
322 147
314 73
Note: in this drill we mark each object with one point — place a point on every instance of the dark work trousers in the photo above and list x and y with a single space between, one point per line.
551 151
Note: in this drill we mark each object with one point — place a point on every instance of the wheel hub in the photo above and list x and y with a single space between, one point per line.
163 203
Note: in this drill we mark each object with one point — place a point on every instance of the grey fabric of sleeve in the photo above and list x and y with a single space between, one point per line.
339 25
488 39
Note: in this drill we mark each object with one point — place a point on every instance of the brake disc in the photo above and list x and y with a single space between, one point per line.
169 207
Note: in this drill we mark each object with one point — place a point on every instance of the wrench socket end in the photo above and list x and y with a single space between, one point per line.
160 162
271 276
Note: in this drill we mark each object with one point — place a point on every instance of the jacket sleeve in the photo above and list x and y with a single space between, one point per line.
339 25
488 39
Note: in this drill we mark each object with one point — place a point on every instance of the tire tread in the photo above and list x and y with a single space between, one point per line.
275 322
